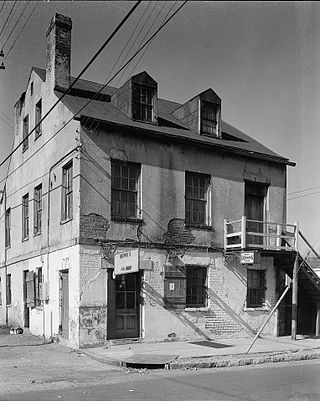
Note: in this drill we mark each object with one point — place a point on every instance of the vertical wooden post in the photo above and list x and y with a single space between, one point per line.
294 299
318 320
243 232
225 230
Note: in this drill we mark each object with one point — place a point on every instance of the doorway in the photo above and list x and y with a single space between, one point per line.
26 310
255 195
124 305
64 303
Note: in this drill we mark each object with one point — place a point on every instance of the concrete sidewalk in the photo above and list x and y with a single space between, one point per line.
206 354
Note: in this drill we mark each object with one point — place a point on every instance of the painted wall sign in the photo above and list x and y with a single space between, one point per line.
126 262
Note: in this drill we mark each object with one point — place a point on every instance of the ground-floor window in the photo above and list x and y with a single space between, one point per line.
8 290
256 288
185 286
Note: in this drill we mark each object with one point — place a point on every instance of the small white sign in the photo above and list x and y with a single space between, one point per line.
171 286
247 258
126 262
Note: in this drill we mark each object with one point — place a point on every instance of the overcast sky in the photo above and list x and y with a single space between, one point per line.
262 59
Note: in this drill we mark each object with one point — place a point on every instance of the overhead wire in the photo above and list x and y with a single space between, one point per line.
8 16
2 6
94 96
5 121
17 22
20 32
75 80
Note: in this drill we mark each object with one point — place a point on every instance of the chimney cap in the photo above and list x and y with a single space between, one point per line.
60 20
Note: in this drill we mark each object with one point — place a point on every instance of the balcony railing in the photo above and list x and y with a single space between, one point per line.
254 234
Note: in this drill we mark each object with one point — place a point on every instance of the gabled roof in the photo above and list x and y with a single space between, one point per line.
233 140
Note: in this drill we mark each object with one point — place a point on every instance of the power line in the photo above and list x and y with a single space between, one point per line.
303 190
95 95
10 125
8 16
20 32
76 80
303 196
2 6
6 116
17 22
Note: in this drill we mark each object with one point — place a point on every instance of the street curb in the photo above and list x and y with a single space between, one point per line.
236 360
243 360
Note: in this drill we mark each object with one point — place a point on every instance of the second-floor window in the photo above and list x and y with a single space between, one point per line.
37 210
8 228
197 199
25 133
124 189
67 192
142 103
38 116
25 217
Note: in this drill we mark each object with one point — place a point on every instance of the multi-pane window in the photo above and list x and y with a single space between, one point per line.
37 210
196 198
67 192
185 286
124 189
209 118
25 133
38 116
255 288
25 217
8 290
8 228
143 102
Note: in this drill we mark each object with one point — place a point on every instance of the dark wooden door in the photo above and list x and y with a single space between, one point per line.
255 210
127 305
26 310
64 302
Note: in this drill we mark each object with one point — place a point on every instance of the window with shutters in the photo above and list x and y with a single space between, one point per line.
185 286
67 192
256 288
197 199
37 210
8 228
38 116
25 133
25 217
124 190
8 290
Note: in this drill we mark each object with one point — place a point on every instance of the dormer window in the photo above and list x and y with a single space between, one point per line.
209 118
142 103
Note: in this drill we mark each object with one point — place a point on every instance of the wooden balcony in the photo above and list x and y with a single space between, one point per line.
264 235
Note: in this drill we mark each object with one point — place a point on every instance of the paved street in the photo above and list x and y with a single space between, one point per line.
30 370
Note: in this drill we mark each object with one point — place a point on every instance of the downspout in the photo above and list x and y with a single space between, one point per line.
48 225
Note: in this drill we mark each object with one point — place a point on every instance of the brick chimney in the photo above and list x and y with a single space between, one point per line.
59 52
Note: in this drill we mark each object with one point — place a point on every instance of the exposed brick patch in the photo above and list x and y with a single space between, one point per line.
93 226
178 233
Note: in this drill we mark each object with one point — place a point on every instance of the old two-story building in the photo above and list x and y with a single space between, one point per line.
125 215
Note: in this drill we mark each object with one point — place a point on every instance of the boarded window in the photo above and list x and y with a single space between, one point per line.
185 286
67 192
8 290
30 281
256 288
124 189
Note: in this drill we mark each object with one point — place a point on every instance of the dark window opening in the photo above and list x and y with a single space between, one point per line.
8 290
209 118
37 209
142 103
124 189
196 194
25 217
255 288
8 228
38 116
25 133
67 192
